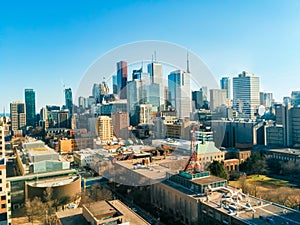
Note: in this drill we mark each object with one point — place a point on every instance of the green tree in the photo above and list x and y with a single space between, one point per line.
218 169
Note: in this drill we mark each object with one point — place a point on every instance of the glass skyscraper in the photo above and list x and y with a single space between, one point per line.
69 101
30 107
179 88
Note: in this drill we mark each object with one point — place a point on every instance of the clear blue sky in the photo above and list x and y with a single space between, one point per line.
45 44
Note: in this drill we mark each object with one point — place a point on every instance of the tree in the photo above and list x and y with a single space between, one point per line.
35 209
255 164
218 169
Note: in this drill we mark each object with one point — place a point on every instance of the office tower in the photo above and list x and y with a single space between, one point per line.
120 124
266 99
246 94
5 199
115 84
295 98
69 101
136 74
135 96
156 77
2 142
122 79
104 128
18 118
217 98
180 92
81 102
226 85
63 119
30 107
197 98
96 92
43 122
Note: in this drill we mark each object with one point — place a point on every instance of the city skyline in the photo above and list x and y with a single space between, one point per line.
230 37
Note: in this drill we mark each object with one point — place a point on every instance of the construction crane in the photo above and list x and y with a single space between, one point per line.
192 163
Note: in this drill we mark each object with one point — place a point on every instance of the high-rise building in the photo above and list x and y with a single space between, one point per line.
96 92
104 128
2 142
120 124
63 119
30 107
145 113
295 98
5 199
69 101
122 77
197 98
226 85
115 84
135 96
18 118
217 98
43 122
180 92
266 99
246 94
156 77
82 102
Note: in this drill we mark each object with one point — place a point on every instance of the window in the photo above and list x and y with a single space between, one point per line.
3 206
3 197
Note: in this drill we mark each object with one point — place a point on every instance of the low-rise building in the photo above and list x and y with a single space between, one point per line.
100 213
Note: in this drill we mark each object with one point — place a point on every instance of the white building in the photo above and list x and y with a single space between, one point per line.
246 97
218 98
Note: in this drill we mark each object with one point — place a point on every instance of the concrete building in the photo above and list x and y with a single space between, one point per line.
5 197
135 96
104 128
246 94
120 122
145 113
266 99
2 142
156 77
100 213
70 145
284 154
179 88
18 118
217 98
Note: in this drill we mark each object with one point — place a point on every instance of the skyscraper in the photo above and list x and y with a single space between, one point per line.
120 124
226 84
122 79
246 94
115 84
180 92
18 117
156 77
69 101
30 107
217 98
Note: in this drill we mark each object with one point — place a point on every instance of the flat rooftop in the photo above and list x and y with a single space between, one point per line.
71 217
101 210
54 182
286 151
250 209
207 180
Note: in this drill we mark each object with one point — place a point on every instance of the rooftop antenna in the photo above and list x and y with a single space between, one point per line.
187 62
155 56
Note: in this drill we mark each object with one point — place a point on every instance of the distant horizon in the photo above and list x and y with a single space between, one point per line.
46 47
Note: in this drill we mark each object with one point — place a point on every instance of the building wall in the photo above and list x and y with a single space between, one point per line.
70 190
104 128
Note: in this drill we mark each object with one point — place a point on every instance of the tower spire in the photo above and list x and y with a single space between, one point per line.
187 62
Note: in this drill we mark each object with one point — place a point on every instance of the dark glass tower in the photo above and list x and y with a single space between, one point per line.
69 101
30 107
122 79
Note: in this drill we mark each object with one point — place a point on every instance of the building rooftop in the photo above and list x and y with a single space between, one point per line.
286 151
54 182
249 209
207 180
101 210
71 217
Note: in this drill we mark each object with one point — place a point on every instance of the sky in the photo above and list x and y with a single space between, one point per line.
49 45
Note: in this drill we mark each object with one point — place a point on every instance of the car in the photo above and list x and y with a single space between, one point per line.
71 206
134 209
